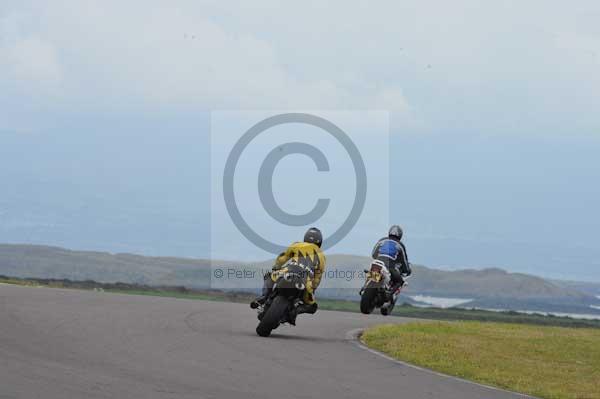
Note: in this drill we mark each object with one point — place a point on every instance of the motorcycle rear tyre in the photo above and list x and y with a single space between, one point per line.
272 316
367 300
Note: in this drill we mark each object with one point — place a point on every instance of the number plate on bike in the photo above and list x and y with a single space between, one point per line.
375 268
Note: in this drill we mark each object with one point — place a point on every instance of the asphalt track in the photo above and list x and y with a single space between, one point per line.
77 344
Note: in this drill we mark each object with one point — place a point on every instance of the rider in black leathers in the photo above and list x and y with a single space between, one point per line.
392 252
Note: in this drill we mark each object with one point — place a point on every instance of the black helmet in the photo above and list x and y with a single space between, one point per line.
313 235
395 232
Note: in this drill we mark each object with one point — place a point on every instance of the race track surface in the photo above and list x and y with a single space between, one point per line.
63 344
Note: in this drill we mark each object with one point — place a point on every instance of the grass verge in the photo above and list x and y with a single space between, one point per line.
547 362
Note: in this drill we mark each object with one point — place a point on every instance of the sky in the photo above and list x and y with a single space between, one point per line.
494 125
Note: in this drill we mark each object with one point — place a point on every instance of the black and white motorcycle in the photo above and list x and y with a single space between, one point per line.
377 292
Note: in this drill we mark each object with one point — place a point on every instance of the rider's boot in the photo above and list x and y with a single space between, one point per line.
258 301
393 291
302 308
387 307
266 291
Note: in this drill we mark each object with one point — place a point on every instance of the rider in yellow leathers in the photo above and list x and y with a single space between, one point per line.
309 254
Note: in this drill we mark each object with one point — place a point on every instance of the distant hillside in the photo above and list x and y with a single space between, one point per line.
487 288
59 263
588 288
473 283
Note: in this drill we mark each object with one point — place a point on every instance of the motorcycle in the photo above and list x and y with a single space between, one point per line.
376 292
285 297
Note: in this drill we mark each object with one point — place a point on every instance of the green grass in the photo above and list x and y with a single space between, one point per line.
548 362
453 314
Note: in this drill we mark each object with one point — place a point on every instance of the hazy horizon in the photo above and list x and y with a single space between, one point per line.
493 145
62 195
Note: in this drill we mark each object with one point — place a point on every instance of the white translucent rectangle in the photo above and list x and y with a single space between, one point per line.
269 168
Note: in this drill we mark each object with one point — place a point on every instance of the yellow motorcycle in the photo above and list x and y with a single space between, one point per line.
287 293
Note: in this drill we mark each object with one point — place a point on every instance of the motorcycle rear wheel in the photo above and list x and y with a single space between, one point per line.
367 300
272 316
